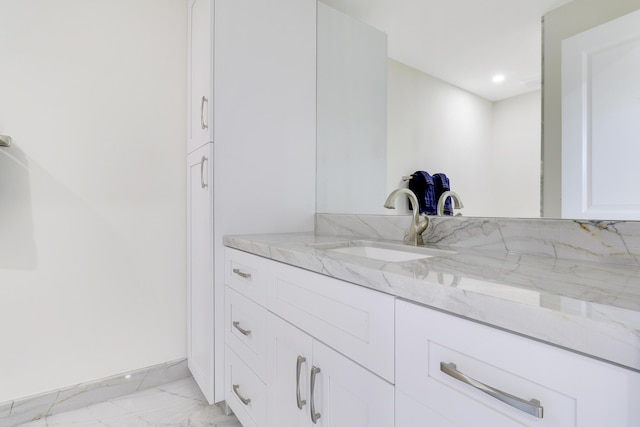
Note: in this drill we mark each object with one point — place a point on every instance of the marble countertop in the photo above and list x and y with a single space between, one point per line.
588 307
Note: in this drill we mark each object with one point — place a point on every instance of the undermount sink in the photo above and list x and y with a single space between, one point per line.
389 252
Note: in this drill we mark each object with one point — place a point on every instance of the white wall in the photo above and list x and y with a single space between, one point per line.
437 127
92 195
516 145
351 114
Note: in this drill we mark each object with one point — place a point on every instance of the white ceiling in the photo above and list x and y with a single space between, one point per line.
464 42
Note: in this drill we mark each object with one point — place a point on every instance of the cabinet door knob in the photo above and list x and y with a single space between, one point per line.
299 363
245 332
531 407
244 400
202 123
203 184
315 416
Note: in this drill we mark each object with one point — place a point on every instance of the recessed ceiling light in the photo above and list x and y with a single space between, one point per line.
498 78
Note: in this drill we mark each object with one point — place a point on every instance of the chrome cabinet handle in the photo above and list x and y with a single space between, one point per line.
531 407
242 274
202 123
299 363
245 332
315 416
244 400
202 183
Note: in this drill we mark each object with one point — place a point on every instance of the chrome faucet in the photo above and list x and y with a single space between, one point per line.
418 225
457 203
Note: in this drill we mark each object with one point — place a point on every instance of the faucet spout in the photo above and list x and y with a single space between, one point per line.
457 202
418 225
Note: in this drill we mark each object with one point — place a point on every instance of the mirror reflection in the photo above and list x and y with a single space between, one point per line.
406 86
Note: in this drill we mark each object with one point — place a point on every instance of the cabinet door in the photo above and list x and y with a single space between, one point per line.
200 304
289 364
345 394
200 64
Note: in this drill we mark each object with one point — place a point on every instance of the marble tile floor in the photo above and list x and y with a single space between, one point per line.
179 403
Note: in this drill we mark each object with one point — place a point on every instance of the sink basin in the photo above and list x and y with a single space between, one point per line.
389 252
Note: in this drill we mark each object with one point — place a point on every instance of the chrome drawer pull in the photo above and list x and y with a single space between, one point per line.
244 400
202 123
202 183
315 416
245 332
241 273
531 407
299 363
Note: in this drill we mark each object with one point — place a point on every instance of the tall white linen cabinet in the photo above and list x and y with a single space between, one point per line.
250 150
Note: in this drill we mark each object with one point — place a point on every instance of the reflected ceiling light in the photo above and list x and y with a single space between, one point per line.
498 78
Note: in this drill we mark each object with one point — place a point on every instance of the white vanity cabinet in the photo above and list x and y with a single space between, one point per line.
300 344
559 387
200 64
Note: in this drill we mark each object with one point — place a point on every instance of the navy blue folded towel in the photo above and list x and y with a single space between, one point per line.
422 185
441 183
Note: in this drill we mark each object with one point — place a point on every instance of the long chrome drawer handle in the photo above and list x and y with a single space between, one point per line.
315 416
245 332
531 407
241 273
244 400
299 400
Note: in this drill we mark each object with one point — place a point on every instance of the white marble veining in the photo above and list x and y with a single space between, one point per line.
614 242
179 403
31 408
586 306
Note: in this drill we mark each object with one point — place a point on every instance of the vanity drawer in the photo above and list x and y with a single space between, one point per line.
245 393
246 330
573 390
247 274
355 321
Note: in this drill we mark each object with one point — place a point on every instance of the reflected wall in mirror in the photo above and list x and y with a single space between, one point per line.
487 140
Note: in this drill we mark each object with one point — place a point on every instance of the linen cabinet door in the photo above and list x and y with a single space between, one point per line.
200 304
200 64
289 361
344 394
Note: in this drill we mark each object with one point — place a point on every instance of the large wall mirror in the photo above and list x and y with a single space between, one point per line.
406 85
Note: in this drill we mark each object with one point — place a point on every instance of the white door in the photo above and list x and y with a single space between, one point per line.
200 303
600 121
200 62
289 365
347 395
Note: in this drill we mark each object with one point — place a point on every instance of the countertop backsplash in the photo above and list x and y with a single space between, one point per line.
613 242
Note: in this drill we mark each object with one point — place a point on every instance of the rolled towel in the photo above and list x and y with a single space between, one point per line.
441 183
422 185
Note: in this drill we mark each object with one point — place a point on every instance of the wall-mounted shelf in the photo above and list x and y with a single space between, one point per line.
5 141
